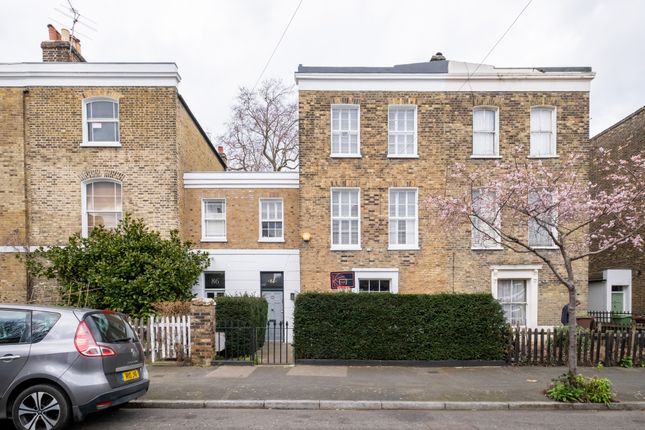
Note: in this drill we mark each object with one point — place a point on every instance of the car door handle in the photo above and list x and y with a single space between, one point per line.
9 358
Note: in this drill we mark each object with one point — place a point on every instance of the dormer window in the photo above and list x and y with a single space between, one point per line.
101 122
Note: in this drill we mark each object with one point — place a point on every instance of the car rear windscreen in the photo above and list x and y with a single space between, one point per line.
110 328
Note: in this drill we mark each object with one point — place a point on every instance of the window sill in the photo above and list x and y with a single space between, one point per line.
265 240
346 248
500 248
538 157
100 145
402 156
346 156
485 157
403 248
545 247
207 239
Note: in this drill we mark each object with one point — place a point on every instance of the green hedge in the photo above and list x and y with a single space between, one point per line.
349 326
238 317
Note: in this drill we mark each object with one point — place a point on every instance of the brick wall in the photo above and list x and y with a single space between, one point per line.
625 139
445 261
242 217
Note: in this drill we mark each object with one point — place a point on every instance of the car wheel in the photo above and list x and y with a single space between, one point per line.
40 407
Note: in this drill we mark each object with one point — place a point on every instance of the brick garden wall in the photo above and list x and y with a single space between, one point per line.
444 262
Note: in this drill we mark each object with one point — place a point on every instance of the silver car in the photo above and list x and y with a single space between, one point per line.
60 364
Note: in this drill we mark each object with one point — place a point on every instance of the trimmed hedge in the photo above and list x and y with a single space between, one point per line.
347 326
238 317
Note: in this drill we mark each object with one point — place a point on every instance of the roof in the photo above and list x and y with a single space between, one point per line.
439 66
622 121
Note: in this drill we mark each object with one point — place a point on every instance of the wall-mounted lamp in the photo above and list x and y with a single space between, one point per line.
292 296
306 236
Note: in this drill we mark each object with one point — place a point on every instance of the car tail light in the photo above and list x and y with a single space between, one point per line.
87 346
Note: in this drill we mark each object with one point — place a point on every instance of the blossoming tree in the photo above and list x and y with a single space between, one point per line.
569 218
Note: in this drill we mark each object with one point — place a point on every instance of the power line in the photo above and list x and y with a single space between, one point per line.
496 43
277 44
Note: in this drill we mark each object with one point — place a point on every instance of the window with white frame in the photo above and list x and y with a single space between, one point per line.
543 132
403 215
101 122
271 220
374 286
102 204
402 131
542 219
345 218
511 294
214 220
485 132
486 221
345 133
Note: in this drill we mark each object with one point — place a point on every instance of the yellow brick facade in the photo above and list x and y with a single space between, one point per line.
159 141
444 261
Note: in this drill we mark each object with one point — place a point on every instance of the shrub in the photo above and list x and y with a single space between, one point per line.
125 269
568 388
239 317
399 327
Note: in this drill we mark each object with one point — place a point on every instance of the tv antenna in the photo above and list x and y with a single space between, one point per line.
68 10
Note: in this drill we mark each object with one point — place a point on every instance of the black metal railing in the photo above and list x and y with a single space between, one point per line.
611 317
241 343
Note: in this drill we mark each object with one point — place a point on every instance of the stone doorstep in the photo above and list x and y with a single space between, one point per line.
379 405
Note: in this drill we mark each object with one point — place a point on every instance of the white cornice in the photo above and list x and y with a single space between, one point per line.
89 74
241 180
512 81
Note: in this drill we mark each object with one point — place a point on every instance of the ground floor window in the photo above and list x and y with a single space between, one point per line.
214 284
374 286
512 295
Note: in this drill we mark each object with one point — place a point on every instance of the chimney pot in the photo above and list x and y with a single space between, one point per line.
53 33
64 35
438 57
220 149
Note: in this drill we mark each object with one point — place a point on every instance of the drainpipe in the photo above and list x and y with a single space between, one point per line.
25 93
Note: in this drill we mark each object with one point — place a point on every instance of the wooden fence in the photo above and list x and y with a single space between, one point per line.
549 347
164 338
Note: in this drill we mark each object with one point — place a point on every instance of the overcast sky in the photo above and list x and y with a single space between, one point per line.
222 45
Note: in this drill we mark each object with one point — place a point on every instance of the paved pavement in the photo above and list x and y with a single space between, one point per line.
421 384
162 419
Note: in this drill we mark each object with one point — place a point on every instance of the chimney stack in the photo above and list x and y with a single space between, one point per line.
61 47
438 57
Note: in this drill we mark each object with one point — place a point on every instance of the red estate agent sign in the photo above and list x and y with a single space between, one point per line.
342 280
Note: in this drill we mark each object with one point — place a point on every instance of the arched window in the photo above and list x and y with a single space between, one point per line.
102 204
101 122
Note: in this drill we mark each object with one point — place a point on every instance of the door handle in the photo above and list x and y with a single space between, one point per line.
9 358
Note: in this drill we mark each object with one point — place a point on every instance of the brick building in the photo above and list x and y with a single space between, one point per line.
617 278
375 142
82 144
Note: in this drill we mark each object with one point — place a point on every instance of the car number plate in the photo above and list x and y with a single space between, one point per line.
130 375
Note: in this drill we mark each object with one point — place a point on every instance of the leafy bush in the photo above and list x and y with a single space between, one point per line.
626 362
239 317
399 327
568 388
126 269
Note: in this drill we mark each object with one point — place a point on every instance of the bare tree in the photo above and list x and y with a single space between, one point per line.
262 134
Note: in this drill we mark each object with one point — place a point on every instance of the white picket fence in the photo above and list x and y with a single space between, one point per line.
164 338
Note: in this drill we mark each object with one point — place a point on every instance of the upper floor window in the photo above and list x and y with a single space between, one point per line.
543 132
213 220
345 218
101 122
542 221
486 223
403 218
271 220
485 132
345 131
102 204
402 131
